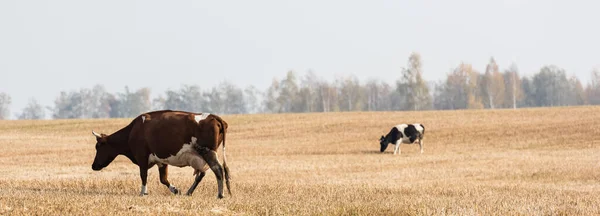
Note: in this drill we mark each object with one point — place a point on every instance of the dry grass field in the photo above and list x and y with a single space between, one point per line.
502 162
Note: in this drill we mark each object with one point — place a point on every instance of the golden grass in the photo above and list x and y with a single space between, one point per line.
482 162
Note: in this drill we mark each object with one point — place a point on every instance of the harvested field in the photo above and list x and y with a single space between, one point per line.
543 161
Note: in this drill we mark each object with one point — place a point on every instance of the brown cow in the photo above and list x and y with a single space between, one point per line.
168 138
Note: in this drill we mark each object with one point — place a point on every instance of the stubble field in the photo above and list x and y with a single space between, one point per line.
501 162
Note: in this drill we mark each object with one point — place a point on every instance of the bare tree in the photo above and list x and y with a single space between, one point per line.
577 93
233 99
130 104
350 93
492 86
460 90
5 101
308 93
270 102
512 86
33 110
412 87
68 105
252 96
551 87
288 92
328 96
593 88
378 95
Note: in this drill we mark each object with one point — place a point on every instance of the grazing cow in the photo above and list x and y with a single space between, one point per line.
403 133
166 138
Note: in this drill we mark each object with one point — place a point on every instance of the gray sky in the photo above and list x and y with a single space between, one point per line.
50 46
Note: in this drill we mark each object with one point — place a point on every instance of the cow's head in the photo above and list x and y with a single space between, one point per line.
384 143
105 153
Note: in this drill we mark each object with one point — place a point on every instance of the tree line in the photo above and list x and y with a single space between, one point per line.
463 88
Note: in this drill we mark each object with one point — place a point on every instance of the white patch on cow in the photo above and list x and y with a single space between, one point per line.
401 127
199 118
405 139
143 119
144 190
186 156
418 127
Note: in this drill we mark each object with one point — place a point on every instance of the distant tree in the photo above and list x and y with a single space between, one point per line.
130 104
288 92
215 101
159 102
33 110
328 97
252 96
187 98
5 101
94 102
493 86
233 100
270 102
551 87
460 89
442 96
68 105
576 92
116 107
83 103
413 89
192 98
512 85
349 93
308 92
474 98
378 95
102 109
529 90
171 101
593 88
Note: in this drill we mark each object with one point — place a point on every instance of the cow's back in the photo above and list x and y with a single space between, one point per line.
163 132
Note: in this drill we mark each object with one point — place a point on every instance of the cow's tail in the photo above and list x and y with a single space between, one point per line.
225 167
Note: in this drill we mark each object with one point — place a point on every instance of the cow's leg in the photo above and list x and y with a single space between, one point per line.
144 177
213 162
397 147
144 166
421 142
196 182
164 172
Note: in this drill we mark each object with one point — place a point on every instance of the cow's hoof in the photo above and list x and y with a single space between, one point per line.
143 194
220 196
174 190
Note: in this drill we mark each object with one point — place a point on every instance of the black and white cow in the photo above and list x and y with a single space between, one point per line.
403 133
